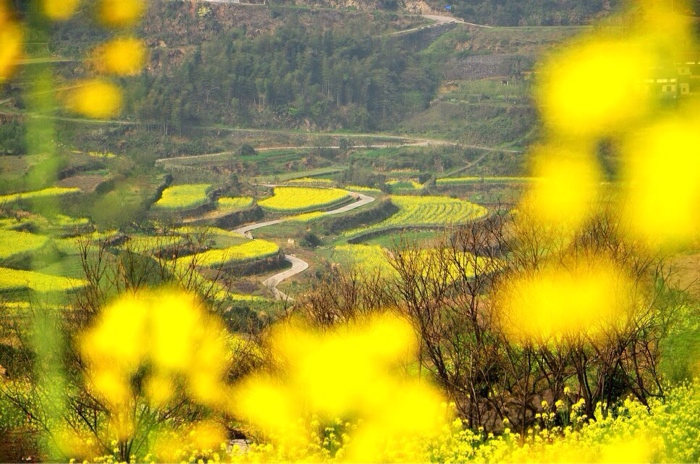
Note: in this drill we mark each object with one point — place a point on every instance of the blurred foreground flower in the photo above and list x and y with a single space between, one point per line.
662 181
565 303
121 13
96 98
59 10
351 382
123 57
10 43
182 348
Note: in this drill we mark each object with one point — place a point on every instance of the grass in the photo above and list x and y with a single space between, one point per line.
303 199
234 203
182 197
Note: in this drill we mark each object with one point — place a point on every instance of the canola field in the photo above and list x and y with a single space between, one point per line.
13 279
426 211
246 251
35 194
367 258
13 243
183 197
303 199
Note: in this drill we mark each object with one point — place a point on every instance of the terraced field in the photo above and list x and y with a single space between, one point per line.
13 243
35 194
469 180
368 258
303 199
182 197
415 211
13 279
246 251
234 203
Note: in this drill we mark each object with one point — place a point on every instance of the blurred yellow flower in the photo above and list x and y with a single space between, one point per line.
123 57
10 45
591 88
168 330
354 371
96 98
567 187
662 185
121 13
59 10
589 297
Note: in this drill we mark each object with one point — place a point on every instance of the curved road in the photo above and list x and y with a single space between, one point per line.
298 265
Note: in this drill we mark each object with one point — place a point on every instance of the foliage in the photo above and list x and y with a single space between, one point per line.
179 197
303 199
305 217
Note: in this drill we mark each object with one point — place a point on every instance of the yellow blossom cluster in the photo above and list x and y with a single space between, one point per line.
183 347
10 42
597 89
349 385
588 298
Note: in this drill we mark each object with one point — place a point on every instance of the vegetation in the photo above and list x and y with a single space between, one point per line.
13 279
234 203
247 251
181 197
301 199
549 328
415 211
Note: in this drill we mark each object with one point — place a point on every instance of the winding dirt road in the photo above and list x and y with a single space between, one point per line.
298 265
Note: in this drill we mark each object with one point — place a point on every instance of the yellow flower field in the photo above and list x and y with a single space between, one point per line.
180 197
247 251
44 193
306 217
235 203
303 199
369 258
13 279
13 242
427 211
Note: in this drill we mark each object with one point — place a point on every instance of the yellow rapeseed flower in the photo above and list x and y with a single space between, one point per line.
121 13
122 57
350 371
96 98
10 45
560 303
59 10
567 189
663 181
591 89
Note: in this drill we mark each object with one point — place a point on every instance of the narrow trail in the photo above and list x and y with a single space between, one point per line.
298 264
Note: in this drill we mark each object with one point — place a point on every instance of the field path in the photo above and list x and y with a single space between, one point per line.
298 265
